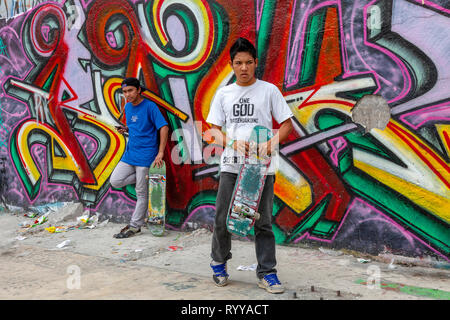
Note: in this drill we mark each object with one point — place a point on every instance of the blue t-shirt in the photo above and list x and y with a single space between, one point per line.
143 121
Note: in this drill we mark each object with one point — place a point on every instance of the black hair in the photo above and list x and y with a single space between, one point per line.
242 45
131 82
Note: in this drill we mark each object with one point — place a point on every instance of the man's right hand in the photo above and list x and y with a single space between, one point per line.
122 129
241 146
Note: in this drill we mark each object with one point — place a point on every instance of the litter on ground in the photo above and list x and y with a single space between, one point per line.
247 268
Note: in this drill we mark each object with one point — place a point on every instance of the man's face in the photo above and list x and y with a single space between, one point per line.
244 67
131 93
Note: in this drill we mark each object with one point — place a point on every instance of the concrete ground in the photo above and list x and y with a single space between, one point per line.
94 265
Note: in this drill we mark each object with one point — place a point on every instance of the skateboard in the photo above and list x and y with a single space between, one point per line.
156 200
243 211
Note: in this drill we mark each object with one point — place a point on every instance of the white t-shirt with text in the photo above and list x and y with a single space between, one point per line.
238 109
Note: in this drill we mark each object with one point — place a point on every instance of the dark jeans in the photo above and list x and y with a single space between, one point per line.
264 237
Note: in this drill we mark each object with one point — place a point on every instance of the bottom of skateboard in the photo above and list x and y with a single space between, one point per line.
156 200
243 211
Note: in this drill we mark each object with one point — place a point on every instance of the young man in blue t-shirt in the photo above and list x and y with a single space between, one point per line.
144 121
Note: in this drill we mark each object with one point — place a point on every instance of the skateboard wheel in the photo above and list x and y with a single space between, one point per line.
257 215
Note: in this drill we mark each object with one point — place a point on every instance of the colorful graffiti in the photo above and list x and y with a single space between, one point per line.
62 63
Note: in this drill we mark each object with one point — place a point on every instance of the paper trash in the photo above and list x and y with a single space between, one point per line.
247 268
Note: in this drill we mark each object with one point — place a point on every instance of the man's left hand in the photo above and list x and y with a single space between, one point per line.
159 160
265 149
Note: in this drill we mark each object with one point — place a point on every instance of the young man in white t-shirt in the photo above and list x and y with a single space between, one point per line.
239 107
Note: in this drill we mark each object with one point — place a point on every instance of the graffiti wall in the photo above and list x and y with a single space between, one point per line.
62 62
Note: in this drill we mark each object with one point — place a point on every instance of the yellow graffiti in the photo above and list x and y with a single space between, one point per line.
444 133
213 86
161 34
109 91
293 188
63 163
421 184
426 178
206 35
68 162
306 115
111 158
175 111
113 84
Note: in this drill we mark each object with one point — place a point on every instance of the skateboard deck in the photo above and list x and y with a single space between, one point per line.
156 200
249 186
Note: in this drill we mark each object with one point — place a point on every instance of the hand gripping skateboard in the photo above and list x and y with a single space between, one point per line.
249 186
156 199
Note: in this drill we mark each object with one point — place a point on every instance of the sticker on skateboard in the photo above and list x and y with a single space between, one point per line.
243 211
156 199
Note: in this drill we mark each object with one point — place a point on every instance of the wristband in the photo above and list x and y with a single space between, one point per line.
230 143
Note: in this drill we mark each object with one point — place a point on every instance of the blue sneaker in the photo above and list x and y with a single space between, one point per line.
220 275
271 283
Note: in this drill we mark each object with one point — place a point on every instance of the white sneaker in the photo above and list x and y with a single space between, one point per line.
220 275
271 283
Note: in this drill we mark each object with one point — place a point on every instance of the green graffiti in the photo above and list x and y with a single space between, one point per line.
3 51
411 290
202 199
421 68
156 197
32 189
316 25
310 220
416 219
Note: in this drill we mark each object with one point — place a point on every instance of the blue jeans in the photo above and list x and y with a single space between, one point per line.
264 237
